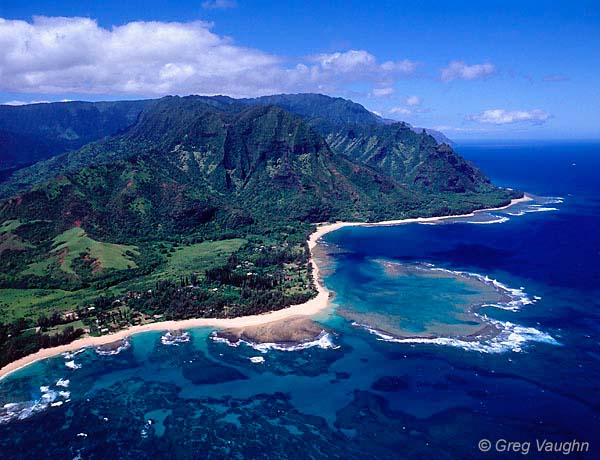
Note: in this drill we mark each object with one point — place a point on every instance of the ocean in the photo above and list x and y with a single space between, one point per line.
471 338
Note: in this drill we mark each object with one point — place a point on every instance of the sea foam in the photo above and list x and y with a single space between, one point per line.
511 337
496 220
175 339
104 351
22 410
517 296
324 341
72 365
541 204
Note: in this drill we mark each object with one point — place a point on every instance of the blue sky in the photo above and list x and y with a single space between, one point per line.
498 70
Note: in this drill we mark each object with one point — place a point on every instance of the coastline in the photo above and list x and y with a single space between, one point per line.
308 308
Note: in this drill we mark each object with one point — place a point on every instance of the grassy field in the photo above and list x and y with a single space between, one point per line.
198 257
75 242
32 303
9 226
61 327
12 224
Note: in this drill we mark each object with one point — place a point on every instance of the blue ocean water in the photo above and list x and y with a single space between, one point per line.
439 336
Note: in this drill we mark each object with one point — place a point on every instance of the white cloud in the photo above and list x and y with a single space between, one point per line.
75 55
412 106
218 4
355 65
382 92
14 103
504 117
24 103
460 70
400 110
350 61
413 101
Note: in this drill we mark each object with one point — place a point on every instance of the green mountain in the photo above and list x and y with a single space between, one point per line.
319 110
187 163
411 157
34 132
202 207
219 157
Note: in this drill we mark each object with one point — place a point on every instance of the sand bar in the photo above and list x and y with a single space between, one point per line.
309 308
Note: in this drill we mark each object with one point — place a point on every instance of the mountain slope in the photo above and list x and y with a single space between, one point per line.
263 157
186 162
410 156
414 159
202 208
320 110
396 149
45 130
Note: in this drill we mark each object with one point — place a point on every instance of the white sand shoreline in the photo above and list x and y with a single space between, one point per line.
308 308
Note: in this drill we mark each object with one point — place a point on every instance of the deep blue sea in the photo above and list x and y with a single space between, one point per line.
438 337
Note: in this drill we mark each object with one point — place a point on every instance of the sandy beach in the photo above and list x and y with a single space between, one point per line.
309 308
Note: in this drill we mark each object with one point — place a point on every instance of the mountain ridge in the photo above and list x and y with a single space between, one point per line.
201 208
348 127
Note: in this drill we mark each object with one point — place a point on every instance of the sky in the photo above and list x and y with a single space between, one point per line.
474 70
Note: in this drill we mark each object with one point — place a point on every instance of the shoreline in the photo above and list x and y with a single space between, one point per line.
309 308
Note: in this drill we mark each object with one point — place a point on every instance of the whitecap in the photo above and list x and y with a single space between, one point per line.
72 365
512 337
257 359
541 209
63 383
540 204
518 297
48 395
497 220
71 354
324 341
175 339
124 345
25 409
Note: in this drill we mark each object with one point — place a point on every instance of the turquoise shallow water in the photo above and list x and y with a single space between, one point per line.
407 300
408 380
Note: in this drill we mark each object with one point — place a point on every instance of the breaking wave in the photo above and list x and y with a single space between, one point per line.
71 354
508 337
516 298
511 337
324 341
175 339
72 365
494 220
540 204
113 349
48 398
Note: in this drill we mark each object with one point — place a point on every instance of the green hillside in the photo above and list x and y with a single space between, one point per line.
202 208
34 132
